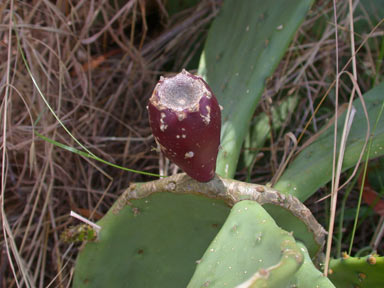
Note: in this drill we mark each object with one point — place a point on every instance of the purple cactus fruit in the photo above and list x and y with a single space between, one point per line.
185 118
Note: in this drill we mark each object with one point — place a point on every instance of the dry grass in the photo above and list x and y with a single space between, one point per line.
97 62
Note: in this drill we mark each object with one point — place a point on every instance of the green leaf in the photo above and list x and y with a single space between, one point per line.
244 46
260 129
91 156
312 168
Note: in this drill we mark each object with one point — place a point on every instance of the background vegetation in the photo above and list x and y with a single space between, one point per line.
96 63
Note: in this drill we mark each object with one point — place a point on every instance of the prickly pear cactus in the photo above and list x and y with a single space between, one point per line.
362 272
153 238
250 244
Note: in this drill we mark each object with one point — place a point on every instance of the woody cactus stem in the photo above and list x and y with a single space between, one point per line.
185 118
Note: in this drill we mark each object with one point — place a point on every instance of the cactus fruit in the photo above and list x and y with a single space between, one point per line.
185 118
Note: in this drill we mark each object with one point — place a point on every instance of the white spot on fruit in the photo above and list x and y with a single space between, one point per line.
221 107
207 118
181 116
183 136
182 129
189 154
177 136
163 126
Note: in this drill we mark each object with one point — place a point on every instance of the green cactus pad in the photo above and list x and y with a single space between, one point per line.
308 275
289 222
249 244
152 242
289 213
150 231
367 272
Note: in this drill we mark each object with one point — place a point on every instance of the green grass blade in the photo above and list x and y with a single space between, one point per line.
312 167
88 153
43 97
244 46
91 156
